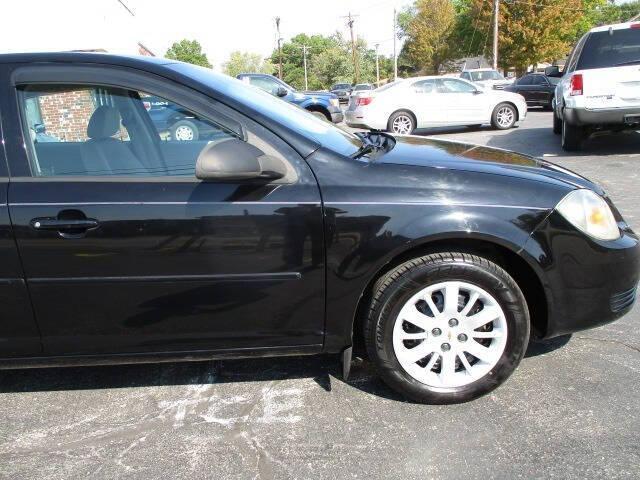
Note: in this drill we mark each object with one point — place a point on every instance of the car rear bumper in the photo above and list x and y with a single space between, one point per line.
610 116
587 283
356 119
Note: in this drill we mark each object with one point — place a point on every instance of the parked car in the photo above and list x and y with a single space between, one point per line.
324 105
284 236
486 78
404 105
536 88
600 86
176 121
342 91
362 87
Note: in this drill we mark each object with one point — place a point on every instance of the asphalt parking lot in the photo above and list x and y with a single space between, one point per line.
569 411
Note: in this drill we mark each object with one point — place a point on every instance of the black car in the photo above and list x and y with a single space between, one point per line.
342 90
284 235
536 88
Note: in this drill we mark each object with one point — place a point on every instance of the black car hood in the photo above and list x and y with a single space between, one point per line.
428 152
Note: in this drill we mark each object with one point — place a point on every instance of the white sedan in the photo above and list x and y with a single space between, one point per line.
404 105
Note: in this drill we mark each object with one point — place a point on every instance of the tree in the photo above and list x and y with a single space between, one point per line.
245 62
532 32
189 51
428 26
329 61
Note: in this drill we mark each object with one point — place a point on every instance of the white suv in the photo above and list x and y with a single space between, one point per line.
600 86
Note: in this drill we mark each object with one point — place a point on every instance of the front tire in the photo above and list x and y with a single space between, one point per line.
320 115
402 123
446 328
504 116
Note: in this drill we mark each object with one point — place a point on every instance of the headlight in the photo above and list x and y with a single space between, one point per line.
588 212
335 102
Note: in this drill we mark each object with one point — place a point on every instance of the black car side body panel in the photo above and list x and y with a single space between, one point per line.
19 335
374 221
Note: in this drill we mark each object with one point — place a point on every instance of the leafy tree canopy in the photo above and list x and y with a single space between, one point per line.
189 51
245 62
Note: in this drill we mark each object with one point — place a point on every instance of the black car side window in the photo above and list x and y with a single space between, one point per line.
525 81
91 130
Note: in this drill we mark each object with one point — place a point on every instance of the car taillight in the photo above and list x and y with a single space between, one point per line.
576 84
361 101
634 25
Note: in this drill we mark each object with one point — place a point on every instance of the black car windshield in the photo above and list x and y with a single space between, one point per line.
610 48
289 115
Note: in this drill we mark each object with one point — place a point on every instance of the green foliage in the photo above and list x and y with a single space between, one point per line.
428 27
189 51
245 62
329 61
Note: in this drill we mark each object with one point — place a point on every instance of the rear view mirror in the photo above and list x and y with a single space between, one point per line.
553 71
235 160
282 92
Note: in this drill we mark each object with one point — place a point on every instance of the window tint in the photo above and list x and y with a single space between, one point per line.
265 83
526 80
572 61
466 75
94 130
450 85
610 48
425 86
538 80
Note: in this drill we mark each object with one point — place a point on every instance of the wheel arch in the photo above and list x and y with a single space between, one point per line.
493 249
316 107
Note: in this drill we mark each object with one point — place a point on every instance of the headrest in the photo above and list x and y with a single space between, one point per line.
104 123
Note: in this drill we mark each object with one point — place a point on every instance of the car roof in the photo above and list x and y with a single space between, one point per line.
83 57
478 70
615 26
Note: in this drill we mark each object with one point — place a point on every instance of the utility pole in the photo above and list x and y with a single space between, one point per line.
496 9
395 38
279 48
377 45
304 59
356 67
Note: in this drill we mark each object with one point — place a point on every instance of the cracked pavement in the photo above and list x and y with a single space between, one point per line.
569 411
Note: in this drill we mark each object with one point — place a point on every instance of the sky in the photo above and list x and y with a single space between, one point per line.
221 26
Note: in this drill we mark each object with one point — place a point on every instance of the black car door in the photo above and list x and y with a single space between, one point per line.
19 334
124 250
524 87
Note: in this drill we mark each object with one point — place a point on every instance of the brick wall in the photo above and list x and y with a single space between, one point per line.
66 114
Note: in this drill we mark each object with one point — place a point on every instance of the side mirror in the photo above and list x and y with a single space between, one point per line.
553 71
235 160
39 128
478 92
282 92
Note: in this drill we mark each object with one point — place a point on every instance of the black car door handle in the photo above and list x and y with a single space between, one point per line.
62 225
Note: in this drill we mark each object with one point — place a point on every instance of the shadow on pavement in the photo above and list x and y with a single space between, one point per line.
324 370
